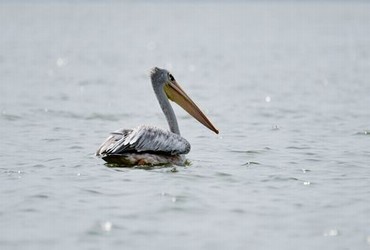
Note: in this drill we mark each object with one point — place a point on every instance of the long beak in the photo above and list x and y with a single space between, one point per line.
175 93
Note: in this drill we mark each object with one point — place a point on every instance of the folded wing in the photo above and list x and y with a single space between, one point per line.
144 139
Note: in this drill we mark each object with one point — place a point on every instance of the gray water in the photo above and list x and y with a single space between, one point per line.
287 84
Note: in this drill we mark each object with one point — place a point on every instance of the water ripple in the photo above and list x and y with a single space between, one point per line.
40 196
250 163
105 117
366 132
252 152
10 117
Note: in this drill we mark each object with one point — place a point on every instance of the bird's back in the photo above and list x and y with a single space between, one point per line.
144 139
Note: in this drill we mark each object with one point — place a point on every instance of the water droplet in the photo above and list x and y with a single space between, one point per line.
306 183
267 99
78 174
368 239
275 127
61 62
173 199
106 226
331 232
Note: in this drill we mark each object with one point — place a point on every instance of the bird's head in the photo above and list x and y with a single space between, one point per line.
163 79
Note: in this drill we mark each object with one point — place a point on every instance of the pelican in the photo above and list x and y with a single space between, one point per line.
147 145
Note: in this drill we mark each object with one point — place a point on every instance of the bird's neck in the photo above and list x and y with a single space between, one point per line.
167 111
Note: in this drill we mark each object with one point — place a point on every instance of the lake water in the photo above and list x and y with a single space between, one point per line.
287 84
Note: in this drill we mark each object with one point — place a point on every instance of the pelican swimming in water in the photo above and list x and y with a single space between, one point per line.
147 145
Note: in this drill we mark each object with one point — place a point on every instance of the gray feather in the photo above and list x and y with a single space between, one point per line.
144 139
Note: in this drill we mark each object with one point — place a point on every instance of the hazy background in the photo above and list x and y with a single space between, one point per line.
286 83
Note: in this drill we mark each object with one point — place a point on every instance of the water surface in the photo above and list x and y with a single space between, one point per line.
287 84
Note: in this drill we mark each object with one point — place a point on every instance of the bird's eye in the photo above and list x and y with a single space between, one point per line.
171 77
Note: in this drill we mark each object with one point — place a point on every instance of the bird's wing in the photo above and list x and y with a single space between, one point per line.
144 139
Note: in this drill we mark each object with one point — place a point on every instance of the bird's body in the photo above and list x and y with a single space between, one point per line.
144 145
147 145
